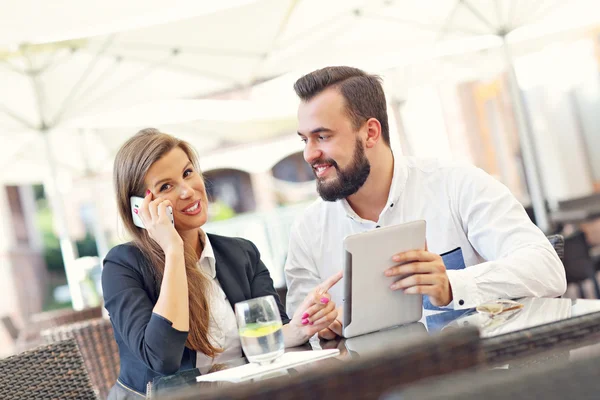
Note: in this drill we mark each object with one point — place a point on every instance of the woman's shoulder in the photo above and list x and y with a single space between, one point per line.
126 255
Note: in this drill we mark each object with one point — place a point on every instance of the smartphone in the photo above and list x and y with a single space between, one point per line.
136 203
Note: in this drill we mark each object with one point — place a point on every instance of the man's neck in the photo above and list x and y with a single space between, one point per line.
372 197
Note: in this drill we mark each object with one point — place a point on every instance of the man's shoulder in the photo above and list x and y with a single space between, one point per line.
437 165
439 169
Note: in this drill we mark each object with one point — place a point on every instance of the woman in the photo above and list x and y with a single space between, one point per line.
170 291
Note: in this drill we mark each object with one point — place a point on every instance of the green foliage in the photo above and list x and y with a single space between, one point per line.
52 253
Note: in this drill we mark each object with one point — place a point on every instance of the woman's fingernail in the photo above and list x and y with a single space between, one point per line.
324 300
135 210
312 323
147 192
305 315
304 321
396 258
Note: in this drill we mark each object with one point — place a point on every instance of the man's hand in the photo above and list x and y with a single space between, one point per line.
422 272
316 313
334 330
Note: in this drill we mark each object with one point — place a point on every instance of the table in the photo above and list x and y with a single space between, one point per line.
547 328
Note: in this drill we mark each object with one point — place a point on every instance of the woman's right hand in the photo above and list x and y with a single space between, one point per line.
154 215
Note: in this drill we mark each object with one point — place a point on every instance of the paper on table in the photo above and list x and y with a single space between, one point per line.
254 370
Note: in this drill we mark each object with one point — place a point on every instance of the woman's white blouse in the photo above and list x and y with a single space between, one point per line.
223 331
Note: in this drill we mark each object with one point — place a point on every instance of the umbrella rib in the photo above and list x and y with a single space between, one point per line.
136 77
499 15
416 24
66 55
282 27
207 74
12 68
86 73
542 11
449 18
191 50
300 35
50 61
512 14
15 156
479 16
92 86
23 121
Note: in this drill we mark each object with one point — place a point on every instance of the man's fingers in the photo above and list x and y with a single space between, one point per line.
327 334
413 268
329 282
416 280
336 327
322 312
326 320
414 255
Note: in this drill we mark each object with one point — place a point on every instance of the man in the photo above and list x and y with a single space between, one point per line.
481 244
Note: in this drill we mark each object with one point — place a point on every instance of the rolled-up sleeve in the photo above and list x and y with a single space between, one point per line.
149 336
522 262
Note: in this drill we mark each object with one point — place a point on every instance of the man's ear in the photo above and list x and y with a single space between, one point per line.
373 132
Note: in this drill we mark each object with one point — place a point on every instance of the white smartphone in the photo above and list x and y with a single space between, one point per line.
136 203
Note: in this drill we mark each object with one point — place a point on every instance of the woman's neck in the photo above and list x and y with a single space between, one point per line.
195 239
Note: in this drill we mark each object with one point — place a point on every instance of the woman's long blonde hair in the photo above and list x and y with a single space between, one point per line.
132 163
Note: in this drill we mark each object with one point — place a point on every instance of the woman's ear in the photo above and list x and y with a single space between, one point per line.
373 132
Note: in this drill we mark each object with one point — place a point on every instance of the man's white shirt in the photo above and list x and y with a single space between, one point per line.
505 254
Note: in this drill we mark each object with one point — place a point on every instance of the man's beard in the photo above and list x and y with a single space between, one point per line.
348 180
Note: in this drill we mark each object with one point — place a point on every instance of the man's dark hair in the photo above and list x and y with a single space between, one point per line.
362 92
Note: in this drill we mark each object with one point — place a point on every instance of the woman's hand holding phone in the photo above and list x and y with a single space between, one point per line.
154 215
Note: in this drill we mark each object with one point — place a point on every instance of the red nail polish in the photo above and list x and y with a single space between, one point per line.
135 210
312 323
147 192
304 321
324 300
305 315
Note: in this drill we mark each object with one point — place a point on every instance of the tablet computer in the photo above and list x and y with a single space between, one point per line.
369 304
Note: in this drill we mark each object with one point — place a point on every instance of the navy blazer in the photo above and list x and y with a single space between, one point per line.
148 344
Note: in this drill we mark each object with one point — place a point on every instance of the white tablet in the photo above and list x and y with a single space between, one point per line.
369 304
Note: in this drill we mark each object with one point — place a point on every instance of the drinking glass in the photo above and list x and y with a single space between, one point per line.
260 329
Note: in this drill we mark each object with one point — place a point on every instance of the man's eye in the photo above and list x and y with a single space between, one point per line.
303 140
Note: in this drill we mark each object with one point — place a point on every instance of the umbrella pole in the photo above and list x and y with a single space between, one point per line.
534 183
67 249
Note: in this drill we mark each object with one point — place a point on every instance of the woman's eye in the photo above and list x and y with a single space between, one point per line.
303 140
164 187
187 172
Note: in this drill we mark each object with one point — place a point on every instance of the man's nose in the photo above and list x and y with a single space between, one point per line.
311 152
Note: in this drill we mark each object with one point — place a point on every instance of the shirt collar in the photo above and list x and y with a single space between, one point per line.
208 254
399 177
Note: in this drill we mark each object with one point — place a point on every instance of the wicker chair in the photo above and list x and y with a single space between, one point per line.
54 371
365 377
30 335
558 242
98 348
